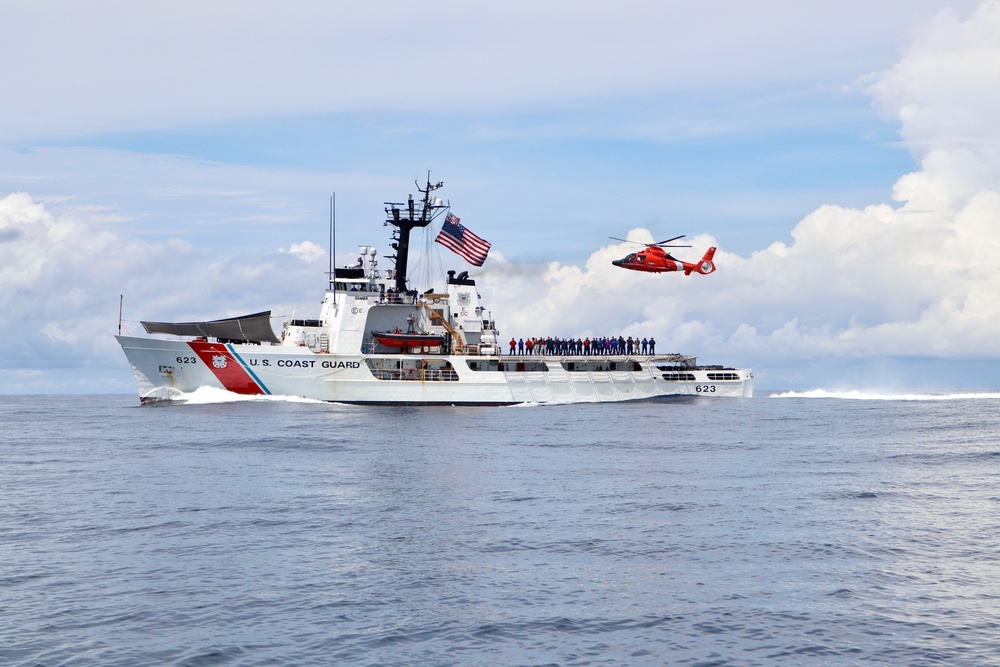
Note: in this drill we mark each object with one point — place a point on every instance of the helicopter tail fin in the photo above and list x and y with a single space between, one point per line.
705 266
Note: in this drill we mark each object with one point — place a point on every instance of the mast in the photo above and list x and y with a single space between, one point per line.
405 217
333 246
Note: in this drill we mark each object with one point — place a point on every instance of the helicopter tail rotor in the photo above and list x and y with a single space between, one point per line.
705 266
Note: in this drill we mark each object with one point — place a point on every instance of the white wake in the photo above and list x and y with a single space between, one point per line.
859 395
212 395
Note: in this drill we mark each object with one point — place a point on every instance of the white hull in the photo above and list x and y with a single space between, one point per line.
162 368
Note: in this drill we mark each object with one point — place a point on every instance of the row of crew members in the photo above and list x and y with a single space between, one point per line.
576 346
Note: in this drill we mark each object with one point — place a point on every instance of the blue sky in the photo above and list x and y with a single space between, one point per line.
747 185
841 157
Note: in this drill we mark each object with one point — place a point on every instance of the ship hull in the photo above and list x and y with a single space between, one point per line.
167 369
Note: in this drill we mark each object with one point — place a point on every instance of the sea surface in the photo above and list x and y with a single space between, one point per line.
811 528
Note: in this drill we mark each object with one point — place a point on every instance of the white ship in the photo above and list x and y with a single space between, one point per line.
379 342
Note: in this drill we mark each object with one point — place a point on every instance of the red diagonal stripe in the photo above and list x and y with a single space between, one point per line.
231 374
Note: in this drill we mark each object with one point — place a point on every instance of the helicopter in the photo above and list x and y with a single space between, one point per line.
654 259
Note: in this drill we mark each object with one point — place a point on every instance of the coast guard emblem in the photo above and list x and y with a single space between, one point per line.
219 361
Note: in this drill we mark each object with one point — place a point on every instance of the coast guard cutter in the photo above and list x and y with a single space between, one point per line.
378 342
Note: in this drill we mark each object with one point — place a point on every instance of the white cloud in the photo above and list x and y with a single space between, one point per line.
118 66
61 277
918 278
945 87
307 251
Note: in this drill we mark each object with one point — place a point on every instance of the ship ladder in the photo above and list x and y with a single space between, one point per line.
459 345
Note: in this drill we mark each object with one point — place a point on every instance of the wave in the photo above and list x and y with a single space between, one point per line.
214 395
858 395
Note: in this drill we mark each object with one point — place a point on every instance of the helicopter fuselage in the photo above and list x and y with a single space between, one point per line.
656 260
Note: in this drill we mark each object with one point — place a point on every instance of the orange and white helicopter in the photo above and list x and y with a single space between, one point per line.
654 259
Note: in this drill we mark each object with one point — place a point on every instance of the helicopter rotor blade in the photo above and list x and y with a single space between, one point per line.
661 244
668 244
615 238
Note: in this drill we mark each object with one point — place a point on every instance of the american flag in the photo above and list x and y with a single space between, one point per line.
461 241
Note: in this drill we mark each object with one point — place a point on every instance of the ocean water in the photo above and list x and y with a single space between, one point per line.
789 529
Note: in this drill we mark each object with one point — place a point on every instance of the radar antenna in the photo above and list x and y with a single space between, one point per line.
407 216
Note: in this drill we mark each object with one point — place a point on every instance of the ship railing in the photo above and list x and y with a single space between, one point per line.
417 374
396 298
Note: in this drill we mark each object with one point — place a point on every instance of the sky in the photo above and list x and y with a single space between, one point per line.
178 159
